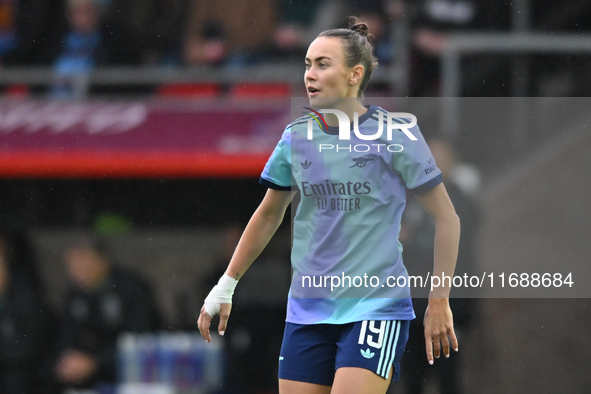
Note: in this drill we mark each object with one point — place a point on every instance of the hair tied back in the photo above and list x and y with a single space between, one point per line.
358 49
359 27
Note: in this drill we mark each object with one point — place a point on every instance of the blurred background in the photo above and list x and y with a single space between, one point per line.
132 136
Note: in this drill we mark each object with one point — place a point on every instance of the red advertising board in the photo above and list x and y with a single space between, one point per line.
137 138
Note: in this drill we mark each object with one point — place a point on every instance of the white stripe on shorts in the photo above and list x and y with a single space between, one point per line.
394 347
385 342
384 369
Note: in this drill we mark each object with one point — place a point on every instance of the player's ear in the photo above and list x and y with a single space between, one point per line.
356 75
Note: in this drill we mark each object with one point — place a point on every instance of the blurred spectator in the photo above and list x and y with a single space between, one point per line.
433 20
93 39
24 32
378 14
300 23
103 301
233 32
82 49
417 236
26 333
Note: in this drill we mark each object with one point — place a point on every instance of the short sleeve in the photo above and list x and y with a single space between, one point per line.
416 164
277 172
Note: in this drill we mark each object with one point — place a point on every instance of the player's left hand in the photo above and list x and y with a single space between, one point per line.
439 328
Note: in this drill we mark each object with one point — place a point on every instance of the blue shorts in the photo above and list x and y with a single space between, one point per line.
312 353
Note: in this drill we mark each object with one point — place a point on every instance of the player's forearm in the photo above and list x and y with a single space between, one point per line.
259 231
447 238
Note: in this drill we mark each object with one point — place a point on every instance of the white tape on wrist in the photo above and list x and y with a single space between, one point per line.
220 294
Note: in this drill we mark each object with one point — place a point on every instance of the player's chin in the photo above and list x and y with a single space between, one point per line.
315 101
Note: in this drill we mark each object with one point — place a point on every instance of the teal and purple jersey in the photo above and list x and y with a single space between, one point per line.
346 257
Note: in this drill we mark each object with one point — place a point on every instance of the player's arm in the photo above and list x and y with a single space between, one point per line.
260 229
438 317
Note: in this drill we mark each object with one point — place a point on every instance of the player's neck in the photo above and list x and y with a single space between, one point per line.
350 108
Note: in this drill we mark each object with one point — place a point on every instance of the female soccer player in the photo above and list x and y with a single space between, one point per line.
346 337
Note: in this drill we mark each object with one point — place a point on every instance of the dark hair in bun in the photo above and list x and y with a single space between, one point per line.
358 48
359 27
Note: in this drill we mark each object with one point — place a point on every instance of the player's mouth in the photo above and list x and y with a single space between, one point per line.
312 91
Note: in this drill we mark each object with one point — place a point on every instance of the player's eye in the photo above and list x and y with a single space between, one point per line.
307 66
323 65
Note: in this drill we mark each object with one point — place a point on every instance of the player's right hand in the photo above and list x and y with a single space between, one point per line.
219 301
204 321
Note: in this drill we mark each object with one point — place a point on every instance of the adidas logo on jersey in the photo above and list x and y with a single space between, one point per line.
306 164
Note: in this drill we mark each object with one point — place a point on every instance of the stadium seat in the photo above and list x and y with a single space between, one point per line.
260 90
189 90
17 90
